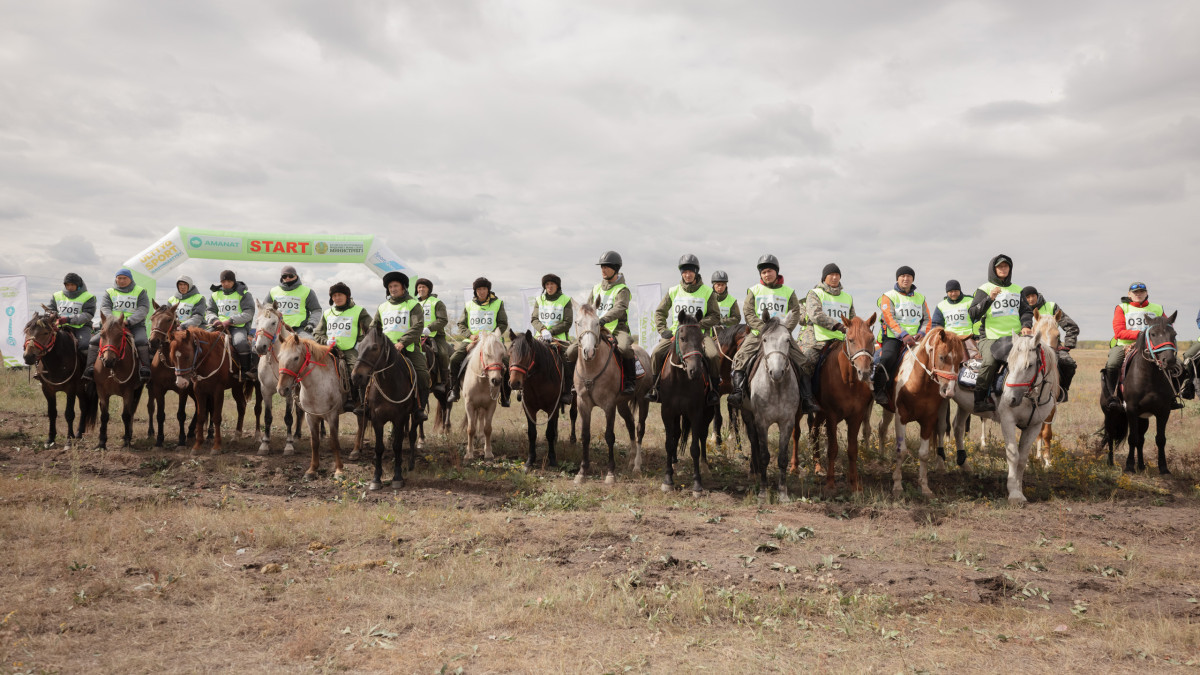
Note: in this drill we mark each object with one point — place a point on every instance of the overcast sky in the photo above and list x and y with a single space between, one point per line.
509 139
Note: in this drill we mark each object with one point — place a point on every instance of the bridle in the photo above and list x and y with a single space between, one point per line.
1032 384
126 338
525 370
390 360
932 372
306 368
684 356
45 350
196 359
588 382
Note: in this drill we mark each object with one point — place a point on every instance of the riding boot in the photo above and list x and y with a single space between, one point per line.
1115 403
1188 390
630 376
92 354
879 385
443 376
420 414
144 359
983 401
357 404
505 393
568 384
456 386
808 404
735 392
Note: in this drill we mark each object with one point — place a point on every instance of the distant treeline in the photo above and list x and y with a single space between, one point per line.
1103 344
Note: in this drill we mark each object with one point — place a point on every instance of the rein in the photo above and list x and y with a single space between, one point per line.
679 349
934 373
46 349
589 382
389 355
300 373
126 337
196 359
562 373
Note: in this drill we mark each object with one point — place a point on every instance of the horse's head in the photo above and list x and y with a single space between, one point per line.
374 352
776 347
587 326
492 352
860 346
1045 329
944 353
290 354
1028 366
689 344
40 333
162 323
181 354
522 355
1160 343
112 339
269 327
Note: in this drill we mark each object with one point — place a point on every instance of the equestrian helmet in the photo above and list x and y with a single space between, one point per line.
768 260
688 260
610 259
719 276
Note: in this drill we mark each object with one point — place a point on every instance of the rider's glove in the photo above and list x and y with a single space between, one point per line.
666 334
840 328
909 341
425 332
546 335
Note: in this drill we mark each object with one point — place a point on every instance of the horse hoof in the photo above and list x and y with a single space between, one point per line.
579 479
783 498
927 492
610 479
100 448
1017 500
375 485
697 491
310 475
338 475
353 456
897 491
48 445
421 444
158 447
214 452
264 450
665 487
397 484
289 450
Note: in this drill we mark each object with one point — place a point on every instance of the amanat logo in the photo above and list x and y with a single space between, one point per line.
272 246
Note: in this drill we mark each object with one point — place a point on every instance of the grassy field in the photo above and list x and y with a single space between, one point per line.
144 560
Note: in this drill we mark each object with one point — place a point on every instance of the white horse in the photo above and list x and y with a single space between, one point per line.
774 399
269 333
482 378
1030 394
310 366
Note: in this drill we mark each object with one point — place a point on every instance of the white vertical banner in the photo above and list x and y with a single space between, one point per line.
528 298
14 305
642 324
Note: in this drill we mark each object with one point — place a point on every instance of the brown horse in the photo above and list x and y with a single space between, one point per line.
162 378
845 394
537 372
441 418
116 374
391 396
926 379
204 361
729 340
60 367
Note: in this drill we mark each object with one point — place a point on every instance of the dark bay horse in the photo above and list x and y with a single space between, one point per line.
204 360
388 380
1148 392
116 374
163 380
441 418
60 367
683 387
729 340
536 370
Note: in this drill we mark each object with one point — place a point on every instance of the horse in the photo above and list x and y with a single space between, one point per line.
774 399
203 360
682 394
845 394
269 333
312 369
919 396
163 380
60 367
537 371
1148 392
116 374
441 418
598 375
482 379
390 385
728 340
1030 394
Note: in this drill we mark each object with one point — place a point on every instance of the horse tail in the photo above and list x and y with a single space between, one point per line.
89 404
1116 428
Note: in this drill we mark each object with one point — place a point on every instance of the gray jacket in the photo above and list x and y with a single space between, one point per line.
86 313
139 314
312 306
245 306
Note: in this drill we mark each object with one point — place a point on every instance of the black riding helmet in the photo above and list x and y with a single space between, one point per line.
395 276
610 259
719 276
689 261
768 260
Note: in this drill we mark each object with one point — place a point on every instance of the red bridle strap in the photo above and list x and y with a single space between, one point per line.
1041 370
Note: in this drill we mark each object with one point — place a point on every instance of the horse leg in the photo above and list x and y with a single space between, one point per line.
264 441
1143 425
104 414
1160 439
69 413
181 418
585 429
239 400
734 422
761 457
672 433
217 405
150 401
398 452
314 433
897 475
552 437
716 424
358 436
1134 441
610 439
421 430
291 415
333 426
959 429
643 410
785 439
574 414
927 431
626 412
52 413
377 480
831 443
129 402
531 434
940 432
1016 465
487 431
852 429
698 437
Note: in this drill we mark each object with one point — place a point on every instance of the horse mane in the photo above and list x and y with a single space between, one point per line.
165 308
728 335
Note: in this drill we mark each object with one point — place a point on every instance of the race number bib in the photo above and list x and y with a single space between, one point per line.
908 312
394 321
724 310
125 304
692 305
550 314
339 327
289 305
957 318
774 304
836 310
428 313
71 310
605 303
1138 319
481 320
1006 304
229 306
182 311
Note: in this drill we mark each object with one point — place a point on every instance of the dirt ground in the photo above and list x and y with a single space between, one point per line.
141 560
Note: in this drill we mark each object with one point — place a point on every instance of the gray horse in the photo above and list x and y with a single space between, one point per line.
774 399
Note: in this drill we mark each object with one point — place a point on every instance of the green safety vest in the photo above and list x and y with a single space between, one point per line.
482 318
291 304
692 303
72 308
395 319
726 305
605 300
227 305
1003 317
124 303
909 311
958 321
429 305
342 326
837 307
183 307
774 300
550 312
1137 318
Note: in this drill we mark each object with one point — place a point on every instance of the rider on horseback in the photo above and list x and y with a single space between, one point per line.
342 327
436 319
828 308
731 315
693 297
232 307
402 321
297 303
75 307
952 314
1003 311
551 320
483 314
131 302
1070 334
777 299
188 303
906 319
611 297
1130 318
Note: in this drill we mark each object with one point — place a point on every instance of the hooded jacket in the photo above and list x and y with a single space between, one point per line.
246 305
88 311
192 313
980 302
712 313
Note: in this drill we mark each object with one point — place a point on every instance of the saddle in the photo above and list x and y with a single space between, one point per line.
1130 352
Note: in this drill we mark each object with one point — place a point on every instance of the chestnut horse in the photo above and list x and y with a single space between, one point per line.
204 361
927 377
116 374
60 367
537 372
163 380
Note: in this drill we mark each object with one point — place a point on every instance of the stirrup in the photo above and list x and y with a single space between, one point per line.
652 395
